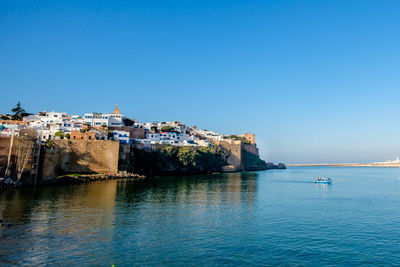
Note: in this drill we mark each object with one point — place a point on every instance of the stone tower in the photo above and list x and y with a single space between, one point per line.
116 110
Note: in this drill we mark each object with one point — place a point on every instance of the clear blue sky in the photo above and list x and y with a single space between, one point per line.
316 81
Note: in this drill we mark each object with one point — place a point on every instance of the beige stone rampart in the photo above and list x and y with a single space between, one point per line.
80 156
252 148
234 155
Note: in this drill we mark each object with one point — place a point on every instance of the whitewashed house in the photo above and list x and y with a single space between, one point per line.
31 118
121 136
210 135
163 136
95 119
53 117
46 134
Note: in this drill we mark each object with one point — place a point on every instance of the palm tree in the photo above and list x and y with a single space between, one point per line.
18 112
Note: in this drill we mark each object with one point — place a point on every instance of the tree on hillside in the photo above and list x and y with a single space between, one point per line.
18 112
59 134
167 128
4 117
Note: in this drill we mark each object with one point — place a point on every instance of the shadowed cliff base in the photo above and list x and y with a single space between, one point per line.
171 160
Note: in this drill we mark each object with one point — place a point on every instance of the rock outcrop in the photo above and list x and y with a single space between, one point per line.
243 156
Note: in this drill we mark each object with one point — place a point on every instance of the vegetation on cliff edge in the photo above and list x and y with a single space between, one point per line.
177 160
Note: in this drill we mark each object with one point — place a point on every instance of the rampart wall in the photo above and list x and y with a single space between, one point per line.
234 155
79 156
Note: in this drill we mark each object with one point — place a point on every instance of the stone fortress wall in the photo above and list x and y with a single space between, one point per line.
79 156
99 156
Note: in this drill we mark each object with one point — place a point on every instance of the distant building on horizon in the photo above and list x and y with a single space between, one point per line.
396 161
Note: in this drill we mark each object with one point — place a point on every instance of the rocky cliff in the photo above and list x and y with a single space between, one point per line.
171 160
242 156
83 156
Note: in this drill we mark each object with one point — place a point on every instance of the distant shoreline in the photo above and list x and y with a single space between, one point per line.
388 165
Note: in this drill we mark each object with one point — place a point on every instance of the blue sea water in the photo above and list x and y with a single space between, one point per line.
277 217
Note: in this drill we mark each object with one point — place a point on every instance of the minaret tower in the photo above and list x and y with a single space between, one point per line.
116 110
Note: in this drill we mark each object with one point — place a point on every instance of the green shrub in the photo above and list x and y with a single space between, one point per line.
240 138
167 128
59 134
50 144
187 156
170 151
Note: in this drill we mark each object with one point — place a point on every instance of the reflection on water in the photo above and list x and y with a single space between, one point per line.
227 189
253 218
76 201
71 212
323 187
79 215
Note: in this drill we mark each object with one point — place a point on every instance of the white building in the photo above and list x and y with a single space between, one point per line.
77 120
149 125
174 138
46 134
211 135
95 119
53 117
37 124
31 118
47 119
177 126
114 119
69 126
163 136
121 136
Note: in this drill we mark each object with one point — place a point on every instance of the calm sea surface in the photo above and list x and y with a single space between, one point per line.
255 218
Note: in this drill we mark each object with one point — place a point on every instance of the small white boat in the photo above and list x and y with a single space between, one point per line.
323 180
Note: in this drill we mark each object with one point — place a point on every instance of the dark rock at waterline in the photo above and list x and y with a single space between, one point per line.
265 166
83 178
281 166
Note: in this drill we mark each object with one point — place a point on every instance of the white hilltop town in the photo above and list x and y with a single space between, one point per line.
114 126
49 144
